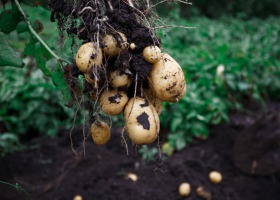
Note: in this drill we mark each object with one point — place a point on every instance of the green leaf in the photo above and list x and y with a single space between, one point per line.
9 20
22 27
40 53
60 82
175 124
8 57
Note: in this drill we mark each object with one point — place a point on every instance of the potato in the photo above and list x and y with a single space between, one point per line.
100 132
151 96
87 55
114 44
152 54
132 176
167 79
132 46
119 80
215 177
78 197
88 79
184 189
202 193
112 102
141 121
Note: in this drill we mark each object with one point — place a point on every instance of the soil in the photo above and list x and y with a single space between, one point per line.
49 169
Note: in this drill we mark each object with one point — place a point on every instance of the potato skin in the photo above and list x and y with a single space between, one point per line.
215 177
100 132
151 96
112 102
87 55
112 48
152 54
119 80
167 79
184 189
141 121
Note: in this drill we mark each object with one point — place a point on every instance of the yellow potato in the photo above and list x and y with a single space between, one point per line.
78 197
119 80
152 54
114 44
184 189
151 96
132 46
141 121
88 55
132 177
112 102
215 177
167 79
100 132
88 79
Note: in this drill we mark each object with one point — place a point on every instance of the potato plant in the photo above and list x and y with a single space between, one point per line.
121 61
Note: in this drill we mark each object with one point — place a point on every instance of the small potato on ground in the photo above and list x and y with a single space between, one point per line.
78 197
184 189
132 176
215 177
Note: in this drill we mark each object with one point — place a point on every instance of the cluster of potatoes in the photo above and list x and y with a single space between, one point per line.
141 112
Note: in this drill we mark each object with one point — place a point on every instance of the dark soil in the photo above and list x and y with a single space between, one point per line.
50 170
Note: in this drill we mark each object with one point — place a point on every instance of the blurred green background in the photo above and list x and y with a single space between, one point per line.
230 59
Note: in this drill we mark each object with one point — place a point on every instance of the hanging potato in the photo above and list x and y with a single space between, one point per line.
114 44
113 101
152 54
151 96
100 132
141 121
88 54
167 79
119 80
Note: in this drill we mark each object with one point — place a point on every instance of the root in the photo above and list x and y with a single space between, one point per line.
123 141
73 125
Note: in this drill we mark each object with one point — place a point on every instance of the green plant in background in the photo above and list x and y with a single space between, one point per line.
226 61
148 154
31 98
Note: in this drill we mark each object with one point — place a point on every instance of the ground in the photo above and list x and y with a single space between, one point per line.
50 170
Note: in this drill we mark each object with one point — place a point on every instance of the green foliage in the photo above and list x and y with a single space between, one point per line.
248 55
215 8
148 154
30 104
8 56
9 143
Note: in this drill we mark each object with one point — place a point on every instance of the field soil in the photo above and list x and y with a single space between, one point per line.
249 163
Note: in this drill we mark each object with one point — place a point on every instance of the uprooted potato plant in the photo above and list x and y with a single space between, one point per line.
122 65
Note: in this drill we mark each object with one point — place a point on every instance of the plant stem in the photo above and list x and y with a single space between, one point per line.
17 187
35 34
